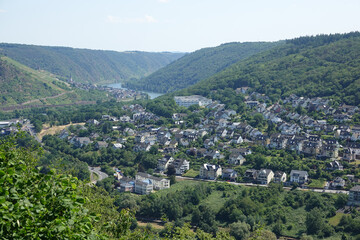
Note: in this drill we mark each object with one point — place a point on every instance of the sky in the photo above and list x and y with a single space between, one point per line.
170 25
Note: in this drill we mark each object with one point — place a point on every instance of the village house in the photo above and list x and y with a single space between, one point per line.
64 134
229 174
297 176
279 177
236 158
208 171
334 165
164 162
338 183
143 187
93 122
341 118
250 175
237 139
277 141
263 140
348 109
158 183
80 141
351 153
328 151
311 148
187 101
354 196
181 166
101 144
141 147
252 104
170 149
265 176
295 144
214 154
128 132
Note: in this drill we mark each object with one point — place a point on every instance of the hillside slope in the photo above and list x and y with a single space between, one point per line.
84 65
320 66
198 65
21 85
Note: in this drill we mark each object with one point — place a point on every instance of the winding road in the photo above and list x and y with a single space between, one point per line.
101 175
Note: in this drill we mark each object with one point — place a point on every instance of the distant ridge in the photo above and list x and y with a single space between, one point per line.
198 65
92 66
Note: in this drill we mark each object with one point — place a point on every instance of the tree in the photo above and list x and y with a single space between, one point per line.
171 170
43 206
154 150
172 179
314 222
240 230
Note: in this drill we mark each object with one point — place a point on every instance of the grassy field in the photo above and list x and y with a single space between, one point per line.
191 173
215 200
317 183
335 220
152 224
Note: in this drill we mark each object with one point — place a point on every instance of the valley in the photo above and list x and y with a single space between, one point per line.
249 141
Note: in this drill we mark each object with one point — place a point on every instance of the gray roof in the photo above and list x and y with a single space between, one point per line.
355 189
298 172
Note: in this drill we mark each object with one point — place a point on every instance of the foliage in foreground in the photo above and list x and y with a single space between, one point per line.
36 205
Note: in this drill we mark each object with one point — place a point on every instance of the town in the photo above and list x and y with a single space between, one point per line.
220 146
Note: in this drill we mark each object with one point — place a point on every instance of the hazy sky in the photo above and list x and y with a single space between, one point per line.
170 25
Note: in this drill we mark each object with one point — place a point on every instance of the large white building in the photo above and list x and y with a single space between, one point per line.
156 183
187 101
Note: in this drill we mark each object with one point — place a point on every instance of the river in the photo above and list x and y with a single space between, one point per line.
152 95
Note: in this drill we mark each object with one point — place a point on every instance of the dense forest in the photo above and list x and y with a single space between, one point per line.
198 65
319 66
84 65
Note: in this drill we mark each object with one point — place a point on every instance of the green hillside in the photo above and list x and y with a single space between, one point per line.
93 66
21 85
198 65
319 66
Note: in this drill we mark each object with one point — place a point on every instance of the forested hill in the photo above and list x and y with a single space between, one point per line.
21 85
92 66
319 66
198 65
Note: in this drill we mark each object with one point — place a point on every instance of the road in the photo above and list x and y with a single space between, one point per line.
262 185
30 129
101 175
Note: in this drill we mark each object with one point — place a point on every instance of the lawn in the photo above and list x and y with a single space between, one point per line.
180 185
335 220
215 200
317 183
191 173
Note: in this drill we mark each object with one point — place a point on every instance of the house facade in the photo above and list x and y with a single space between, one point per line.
209 171
297 176
265 176
354 196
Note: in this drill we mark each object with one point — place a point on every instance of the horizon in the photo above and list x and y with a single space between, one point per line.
170 25
129 51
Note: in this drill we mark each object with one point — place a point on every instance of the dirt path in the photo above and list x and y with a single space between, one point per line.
47 130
